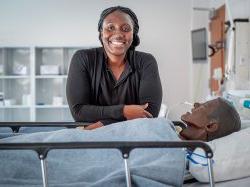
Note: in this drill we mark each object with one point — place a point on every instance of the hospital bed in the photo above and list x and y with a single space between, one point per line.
125 148
43 148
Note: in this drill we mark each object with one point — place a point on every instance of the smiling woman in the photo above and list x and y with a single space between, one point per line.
114 82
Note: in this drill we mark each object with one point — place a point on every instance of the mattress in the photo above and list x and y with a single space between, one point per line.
244 182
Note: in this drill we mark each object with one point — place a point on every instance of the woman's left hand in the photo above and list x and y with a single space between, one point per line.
136 111
92 126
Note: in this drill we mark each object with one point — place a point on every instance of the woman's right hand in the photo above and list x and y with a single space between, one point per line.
136 111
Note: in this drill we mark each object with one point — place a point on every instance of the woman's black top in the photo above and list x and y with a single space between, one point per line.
94 94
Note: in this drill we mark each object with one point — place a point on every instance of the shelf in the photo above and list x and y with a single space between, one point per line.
52 106
14 76
14 106
51 76
37 106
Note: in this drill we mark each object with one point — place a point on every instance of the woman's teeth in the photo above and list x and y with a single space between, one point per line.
118 43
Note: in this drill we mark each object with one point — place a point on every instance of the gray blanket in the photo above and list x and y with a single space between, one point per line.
73 168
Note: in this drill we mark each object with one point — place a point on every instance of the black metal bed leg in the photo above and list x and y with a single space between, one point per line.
127 171
210 171
44 170
125 155
42 154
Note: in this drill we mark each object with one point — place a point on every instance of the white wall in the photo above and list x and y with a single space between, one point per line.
239 8
164 31
200 69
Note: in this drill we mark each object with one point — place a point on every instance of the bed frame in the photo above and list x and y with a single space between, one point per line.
125 148
15 126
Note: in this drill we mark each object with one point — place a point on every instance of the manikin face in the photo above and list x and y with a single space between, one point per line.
117 33
198 122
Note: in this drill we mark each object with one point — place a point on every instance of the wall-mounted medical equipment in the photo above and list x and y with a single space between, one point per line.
237 66
241 101
230 40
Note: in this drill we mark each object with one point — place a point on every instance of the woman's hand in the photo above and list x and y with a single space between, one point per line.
136 111
92 126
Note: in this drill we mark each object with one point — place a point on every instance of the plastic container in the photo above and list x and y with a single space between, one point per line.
245 102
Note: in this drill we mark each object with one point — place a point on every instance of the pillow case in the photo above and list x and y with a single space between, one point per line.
245 124
231 158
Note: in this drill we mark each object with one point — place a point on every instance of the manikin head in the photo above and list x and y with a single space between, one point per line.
210 120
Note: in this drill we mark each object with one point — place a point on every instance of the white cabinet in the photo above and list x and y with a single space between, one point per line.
33 83
15 81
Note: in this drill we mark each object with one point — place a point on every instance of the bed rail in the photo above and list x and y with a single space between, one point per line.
42 150
15 126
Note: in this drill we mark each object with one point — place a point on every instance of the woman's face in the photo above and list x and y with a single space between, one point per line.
117 33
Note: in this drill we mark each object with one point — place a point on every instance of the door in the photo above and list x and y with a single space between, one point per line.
217 38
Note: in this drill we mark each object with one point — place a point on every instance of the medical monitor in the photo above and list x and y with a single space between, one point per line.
199 44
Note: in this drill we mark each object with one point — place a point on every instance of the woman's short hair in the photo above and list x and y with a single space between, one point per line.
106 12
227 118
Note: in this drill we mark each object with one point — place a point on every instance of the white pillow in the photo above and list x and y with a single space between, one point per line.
245 124
231 158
